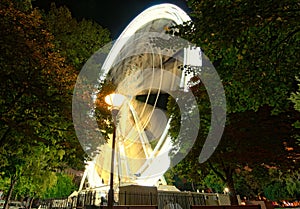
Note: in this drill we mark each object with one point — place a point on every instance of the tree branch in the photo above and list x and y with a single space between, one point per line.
216 171
4 136
287 37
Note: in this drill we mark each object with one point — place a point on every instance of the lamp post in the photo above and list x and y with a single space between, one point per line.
115 101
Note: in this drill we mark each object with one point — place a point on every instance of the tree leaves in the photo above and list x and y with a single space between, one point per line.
254 46
75 40
42 54
35 99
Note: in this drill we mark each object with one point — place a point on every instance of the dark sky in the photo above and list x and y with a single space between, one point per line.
112 14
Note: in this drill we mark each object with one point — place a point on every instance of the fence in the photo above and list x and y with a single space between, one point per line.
163 200
179 200
226 207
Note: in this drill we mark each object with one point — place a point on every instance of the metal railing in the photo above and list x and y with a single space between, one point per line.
163 200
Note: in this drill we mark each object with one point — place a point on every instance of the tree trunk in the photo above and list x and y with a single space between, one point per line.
13 181
30 203
230 184
193 187
228 179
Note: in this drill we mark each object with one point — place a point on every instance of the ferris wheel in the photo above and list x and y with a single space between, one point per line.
145 65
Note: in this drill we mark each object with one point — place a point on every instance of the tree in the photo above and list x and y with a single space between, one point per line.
75 40
284 187
63 188
254 47
30 170
295 98
43 53
255 53
36 83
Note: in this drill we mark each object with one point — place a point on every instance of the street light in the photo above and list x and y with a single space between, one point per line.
115 101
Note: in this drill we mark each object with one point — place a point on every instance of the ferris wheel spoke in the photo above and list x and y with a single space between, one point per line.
142 136
157 150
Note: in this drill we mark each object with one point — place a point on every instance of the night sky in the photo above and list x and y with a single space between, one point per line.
112 14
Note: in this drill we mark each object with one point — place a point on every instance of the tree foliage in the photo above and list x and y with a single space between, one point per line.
295 98
75 40
63 188
36 132
254 46
42 54
34 175
284 187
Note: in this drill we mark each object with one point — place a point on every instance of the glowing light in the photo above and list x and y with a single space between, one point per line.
114 100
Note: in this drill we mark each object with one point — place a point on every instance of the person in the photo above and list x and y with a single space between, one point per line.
103 201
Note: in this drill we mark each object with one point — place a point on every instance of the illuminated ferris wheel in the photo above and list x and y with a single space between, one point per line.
144 63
